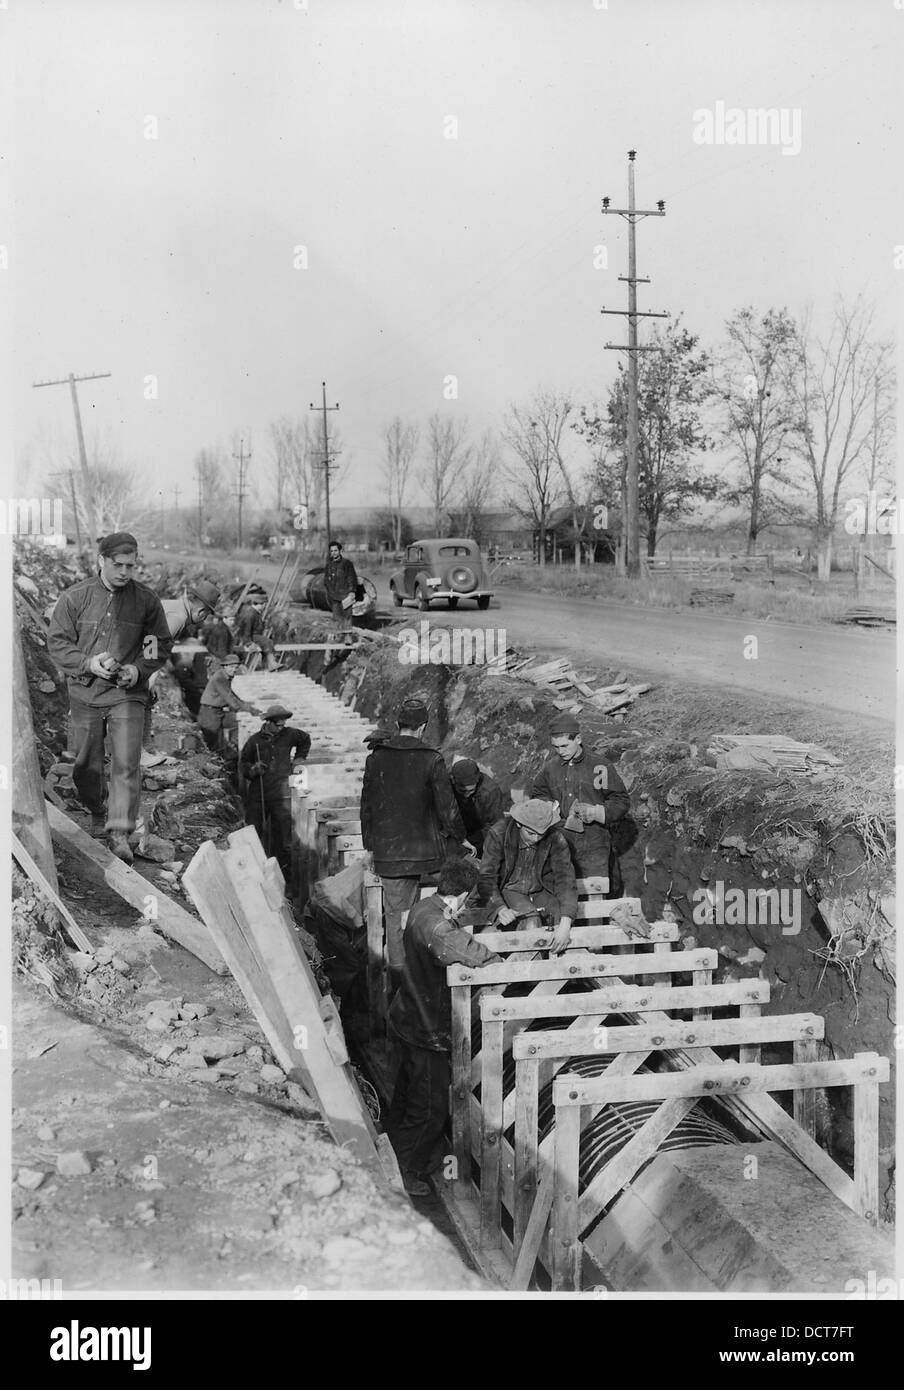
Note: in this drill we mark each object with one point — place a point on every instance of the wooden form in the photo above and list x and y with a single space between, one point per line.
677 1094
241 895
168 916
34 873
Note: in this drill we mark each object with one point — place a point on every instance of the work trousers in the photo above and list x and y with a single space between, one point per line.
343 616
399 897
272 819
541 903
417 1115
123 723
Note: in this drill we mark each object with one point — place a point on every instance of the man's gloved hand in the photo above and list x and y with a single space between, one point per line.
589 813
505 916
103 665
127 676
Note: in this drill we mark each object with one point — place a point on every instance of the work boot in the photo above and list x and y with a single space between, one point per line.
415 1185
98 826
120 846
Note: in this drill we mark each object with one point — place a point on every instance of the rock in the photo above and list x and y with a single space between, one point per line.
156 850
121 966
208 1074
103 955
165 1052
255 1054
165 1006
324 1184
752 957
299 1096
194 1060
195 1011
272 1075
734 842
157 1024
82 962
232 1066
343 1248
30 1178
74 1164
287 1179
248 1088
213 1048
46 1134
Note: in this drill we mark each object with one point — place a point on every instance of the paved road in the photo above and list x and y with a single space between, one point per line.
832 668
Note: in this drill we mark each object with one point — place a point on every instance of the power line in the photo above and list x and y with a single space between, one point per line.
240 490
90 499
632 216
326 459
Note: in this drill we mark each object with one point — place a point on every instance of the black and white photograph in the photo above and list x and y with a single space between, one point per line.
450 537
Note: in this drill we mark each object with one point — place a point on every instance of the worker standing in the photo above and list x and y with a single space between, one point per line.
479 798
267 760
109 634
340 581
592 798
218 699
420 1024
250 632
410 819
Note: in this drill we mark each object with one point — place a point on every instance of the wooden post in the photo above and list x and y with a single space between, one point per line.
491 1141
566 1247
461 1087
527 1085
29 807
866 1145
751 1052
376 984
804 1101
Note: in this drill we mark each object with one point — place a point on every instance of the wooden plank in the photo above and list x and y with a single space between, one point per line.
712 1080
630 999
491 1133
170 918
654 1037
34 873
750 1050
866 1139
568 967
624 1167
527 1087
805 1051
566 1248
595 938
461 1087
376 982
703 979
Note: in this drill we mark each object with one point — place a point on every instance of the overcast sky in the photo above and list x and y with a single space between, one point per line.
427 257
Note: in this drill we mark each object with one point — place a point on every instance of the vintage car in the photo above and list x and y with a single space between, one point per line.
445 567
310 589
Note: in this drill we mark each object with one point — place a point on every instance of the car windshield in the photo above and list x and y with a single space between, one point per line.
454 550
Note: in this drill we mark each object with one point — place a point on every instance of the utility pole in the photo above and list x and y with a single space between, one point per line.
241 492
90 501
326 461
632 216
162 517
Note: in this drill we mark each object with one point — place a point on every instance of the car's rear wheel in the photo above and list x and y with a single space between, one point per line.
483 601
422 598
396 596
453 602
461 577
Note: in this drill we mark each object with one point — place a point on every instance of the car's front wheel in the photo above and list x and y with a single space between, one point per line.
396 596
483 601
422 598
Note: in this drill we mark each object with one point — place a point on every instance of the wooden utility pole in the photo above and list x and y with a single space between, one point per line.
241 491
326 461
90 501
632 216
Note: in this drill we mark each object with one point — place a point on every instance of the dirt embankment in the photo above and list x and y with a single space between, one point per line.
709 841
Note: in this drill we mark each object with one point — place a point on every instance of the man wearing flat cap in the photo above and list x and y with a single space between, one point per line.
108 635
410 819
184 615
526 874
267 760
592 798
479 798
219 700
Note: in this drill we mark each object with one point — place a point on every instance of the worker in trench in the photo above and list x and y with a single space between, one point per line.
219 703
410 819
109 634
420 1023
479 798
527 878
184 615
250 634
267 760
593 800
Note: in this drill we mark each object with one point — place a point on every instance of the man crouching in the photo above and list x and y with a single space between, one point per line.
420 1022
526 872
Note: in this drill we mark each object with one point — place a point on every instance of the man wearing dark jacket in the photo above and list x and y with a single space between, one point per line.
479 799
420 1022
109 634
267 760
526 871
408 814
340 582
591 796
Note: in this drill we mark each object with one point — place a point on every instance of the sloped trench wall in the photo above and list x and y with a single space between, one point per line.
700 829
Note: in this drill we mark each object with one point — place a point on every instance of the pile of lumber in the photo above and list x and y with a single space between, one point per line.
702 598
560 676
869 617
769 753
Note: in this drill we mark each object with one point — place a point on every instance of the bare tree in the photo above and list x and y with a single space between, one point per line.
478 485
751 379
400 443
534 475
297 449
447 456
833 386
208 474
